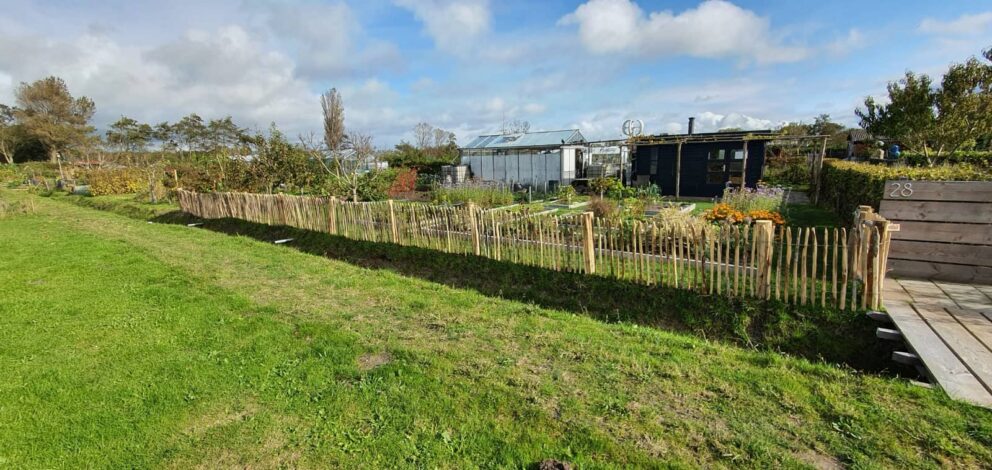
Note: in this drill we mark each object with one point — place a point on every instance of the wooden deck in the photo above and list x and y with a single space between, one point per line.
949 327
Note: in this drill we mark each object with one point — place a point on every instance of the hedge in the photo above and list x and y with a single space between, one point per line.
974 157
847 185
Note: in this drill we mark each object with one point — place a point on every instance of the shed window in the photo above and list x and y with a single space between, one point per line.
716 172
718 154
739 154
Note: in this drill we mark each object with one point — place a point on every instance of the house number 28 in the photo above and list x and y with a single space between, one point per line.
901 190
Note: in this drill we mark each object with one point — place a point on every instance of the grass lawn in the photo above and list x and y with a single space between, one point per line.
129 344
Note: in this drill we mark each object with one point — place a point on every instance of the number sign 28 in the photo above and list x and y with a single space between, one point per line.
901 190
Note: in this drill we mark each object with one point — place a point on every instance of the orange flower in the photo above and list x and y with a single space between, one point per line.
724 212
762 214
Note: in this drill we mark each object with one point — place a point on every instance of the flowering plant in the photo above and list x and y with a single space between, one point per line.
724 212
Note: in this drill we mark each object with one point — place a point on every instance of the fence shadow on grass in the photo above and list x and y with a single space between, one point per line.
812 332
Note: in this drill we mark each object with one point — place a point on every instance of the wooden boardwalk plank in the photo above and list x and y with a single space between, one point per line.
972 353
966 295
940 361
977 324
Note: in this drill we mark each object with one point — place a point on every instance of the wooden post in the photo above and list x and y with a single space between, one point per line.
332 215
175 177
588 245
764 235
678 169
744 167
392 223
817 168
474 225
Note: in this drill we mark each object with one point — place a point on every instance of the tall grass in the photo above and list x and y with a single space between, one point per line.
481 194
759 199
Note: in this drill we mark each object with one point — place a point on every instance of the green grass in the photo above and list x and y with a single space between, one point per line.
808 215
128 344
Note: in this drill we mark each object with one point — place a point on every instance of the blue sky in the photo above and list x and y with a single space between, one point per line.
467 65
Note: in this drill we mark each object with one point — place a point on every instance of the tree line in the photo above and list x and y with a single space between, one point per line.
47 121
936 118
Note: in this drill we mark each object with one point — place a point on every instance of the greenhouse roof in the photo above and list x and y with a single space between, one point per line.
527 139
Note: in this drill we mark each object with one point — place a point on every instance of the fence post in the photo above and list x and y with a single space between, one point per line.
588 245
476 247
332 215
392 223
764 231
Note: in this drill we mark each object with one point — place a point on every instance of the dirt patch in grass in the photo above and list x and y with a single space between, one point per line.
219 418
369 361
819 460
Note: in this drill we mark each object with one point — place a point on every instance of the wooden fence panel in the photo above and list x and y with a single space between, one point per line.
945 229
795 265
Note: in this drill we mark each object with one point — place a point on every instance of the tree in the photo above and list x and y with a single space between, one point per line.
279 164
165 134
936 119
822 125
333 108
423 134
443 138
222 134
50 113
190 133
128 135
964 103
9 133
910 115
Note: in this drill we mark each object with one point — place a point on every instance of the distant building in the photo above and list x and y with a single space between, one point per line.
861 144
352 161
700 165
540 159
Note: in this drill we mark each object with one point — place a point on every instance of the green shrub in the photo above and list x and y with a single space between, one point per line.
10 174
115 181
372 185
787 171
485 196
566 193
602 185
847 185
974 157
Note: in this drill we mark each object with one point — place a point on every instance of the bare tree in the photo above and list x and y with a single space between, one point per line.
514 126
442 137
9 135
334 136
423 133
354 164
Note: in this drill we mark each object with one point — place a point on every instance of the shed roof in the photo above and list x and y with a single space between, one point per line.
734 136
861 135
527 139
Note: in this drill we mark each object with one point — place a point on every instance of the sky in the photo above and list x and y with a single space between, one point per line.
466 66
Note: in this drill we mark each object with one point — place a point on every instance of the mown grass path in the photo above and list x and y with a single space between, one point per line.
128 344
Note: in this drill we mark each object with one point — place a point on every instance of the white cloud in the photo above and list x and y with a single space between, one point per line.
714 29
843 45
323 37
964 25
453 25
711 122
212 73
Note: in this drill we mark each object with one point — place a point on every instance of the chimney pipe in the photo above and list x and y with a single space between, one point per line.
692 125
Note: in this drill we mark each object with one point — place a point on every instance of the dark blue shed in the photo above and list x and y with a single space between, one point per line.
700 165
